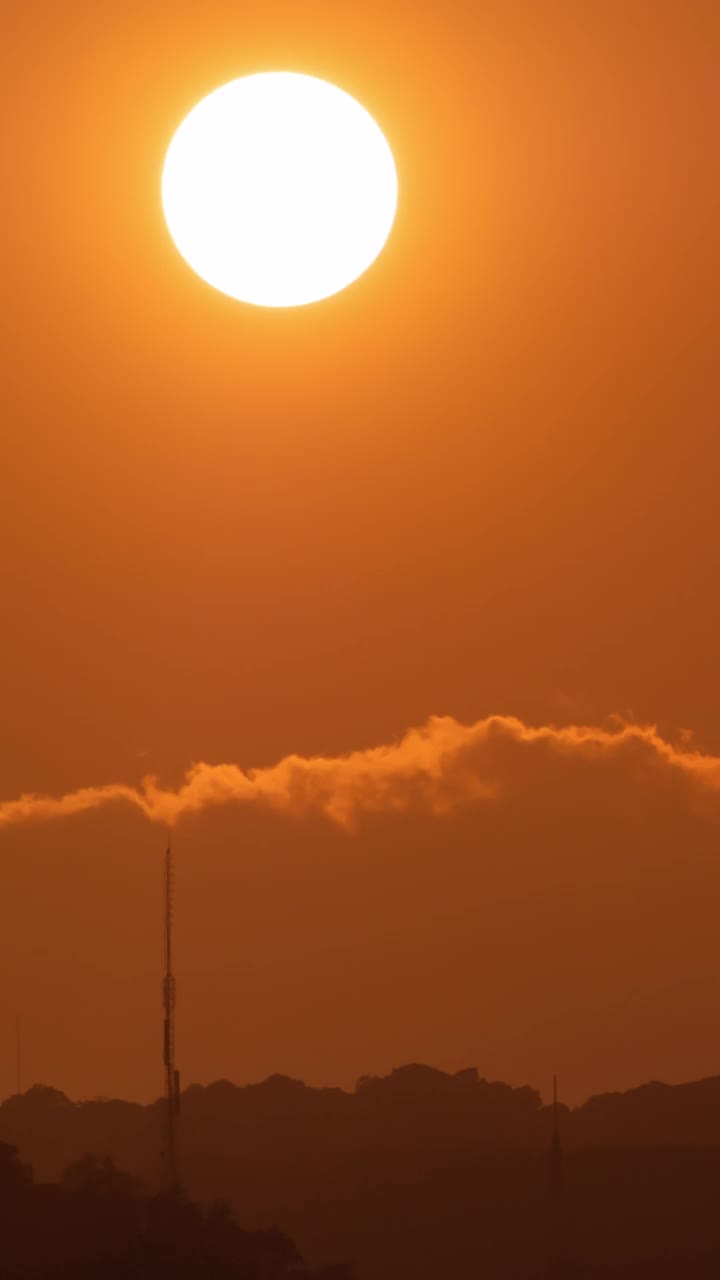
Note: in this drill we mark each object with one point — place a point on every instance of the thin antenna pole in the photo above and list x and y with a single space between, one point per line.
172 1076
558 1268
18 1054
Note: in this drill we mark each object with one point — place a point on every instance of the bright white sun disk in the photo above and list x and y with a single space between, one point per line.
279 189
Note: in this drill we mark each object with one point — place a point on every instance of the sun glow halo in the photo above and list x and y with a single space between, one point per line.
279 189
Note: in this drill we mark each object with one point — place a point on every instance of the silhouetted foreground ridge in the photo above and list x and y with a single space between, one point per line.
421 1174
96 1222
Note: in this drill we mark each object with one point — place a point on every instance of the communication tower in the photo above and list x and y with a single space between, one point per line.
556 1157
558 1261
172 1075
18 1054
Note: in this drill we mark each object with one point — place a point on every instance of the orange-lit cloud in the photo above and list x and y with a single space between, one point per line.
437 767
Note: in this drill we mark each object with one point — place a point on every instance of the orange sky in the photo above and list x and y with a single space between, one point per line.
482 480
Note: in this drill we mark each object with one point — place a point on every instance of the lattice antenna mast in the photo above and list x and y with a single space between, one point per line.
556 1155
172 1075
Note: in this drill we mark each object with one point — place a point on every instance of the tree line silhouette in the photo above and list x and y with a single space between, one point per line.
419 1175
98 1221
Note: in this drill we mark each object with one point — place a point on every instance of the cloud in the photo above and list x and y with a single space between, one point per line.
437 767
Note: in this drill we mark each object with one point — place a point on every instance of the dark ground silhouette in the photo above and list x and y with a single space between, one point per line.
416 1175
98 1222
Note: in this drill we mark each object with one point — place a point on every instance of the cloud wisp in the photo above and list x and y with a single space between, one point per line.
437 767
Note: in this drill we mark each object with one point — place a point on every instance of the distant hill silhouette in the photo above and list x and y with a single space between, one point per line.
422 1174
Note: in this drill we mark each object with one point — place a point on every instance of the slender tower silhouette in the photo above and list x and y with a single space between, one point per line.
558 1263
556 1159
172 1075
18 1053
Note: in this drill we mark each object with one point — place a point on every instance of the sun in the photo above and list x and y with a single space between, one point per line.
279 189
